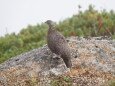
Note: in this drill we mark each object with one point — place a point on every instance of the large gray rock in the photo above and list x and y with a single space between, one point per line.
96 54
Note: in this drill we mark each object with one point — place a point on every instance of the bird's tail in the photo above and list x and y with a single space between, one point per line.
67 61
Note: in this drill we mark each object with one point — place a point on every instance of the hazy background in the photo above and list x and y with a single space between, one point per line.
18 14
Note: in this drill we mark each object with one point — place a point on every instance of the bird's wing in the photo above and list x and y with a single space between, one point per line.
60 38
56 41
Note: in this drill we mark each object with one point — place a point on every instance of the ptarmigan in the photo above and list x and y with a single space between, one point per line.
58 44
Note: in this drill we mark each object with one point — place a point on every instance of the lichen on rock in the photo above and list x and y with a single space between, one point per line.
94 65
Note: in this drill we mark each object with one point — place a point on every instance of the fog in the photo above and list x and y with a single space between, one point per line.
18 14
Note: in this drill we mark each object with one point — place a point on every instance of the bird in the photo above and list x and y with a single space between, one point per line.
58 44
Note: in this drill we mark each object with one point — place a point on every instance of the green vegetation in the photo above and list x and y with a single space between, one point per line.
62 80
109 83
87 23
112 83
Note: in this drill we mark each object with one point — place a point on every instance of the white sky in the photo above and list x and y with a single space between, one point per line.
17 14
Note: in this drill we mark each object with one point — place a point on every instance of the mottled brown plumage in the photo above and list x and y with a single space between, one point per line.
58 44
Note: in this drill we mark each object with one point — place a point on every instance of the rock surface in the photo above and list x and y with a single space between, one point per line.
94 64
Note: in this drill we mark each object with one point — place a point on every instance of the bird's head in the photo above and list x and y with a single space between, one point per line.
50 23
